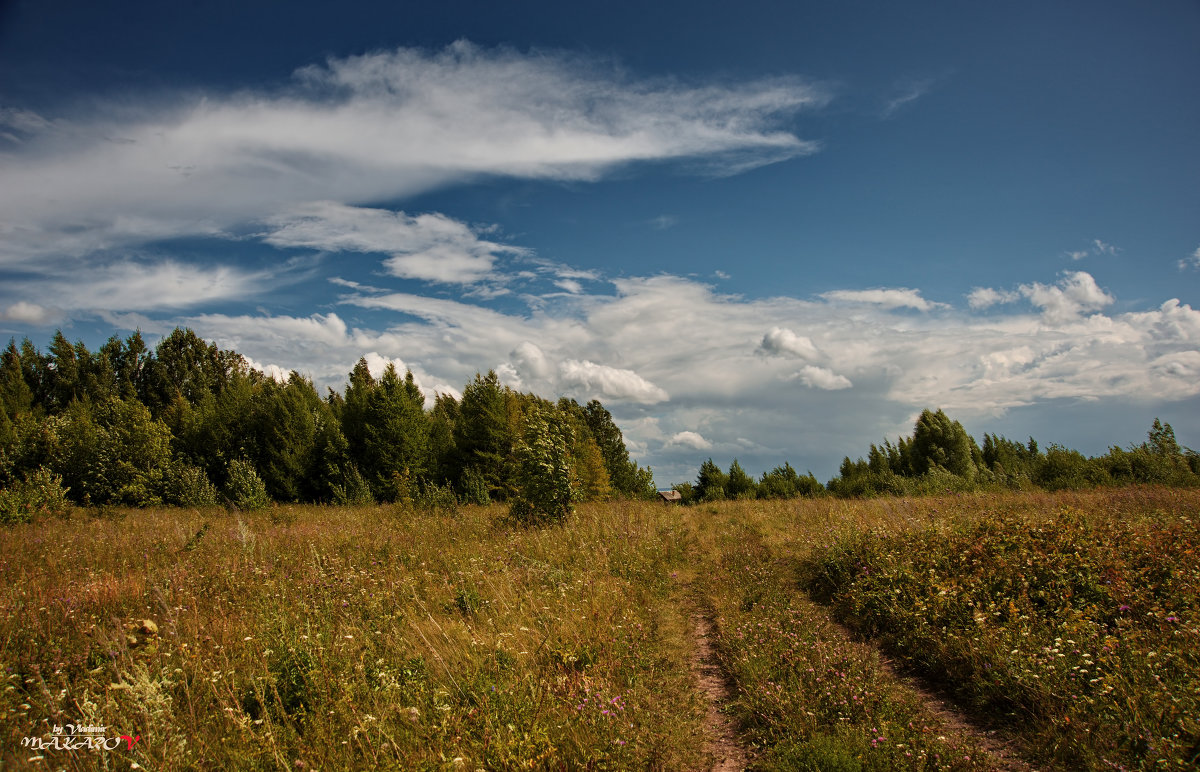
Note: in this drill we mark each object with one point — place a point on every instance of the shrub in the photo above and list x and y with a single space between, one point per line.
436 498
474 487
544 475
39 493
354 489
185 485
244 488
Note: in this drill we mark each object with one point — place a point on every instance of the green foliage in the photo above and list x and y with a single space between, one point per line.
113 452
185 485
687 493
939 441
783 482
244 488
1082 626
474 487
353 490
1063 469
710 482
99 419
483 436
436 498
39 493
281 436
386 428
738 484
544 474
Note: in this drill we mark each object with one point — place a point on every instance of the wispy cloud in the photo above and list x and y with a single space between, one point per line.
431 247
905 94
1191 261
373 127
885 298
1102 248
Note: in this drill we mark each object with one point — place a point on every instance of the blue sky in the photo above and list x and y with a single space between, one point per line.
774 231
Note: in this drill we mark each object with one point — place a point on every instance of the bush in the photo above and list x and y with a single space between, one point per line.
354 489
474 487
244 488
39 493
185 485
436 498
544 475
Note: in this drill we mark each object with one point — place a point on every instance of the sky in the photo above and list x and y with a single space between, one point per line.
767 231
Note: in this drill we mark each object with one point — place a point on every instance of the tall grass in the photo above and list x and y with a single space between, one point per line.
309 637
383 637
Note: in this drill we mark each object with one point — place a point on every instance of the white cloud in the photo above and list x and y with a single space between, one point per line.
664 221
885 298
669 335
688 439
609 382
907 92
1192 261
821 378
1077 255
23 311
431 247
780 341
1075 293
125 286
985 297
373 127
1105 249
533 361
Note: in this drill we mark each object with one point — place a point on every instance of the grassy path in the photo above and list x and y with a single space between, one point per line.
805 694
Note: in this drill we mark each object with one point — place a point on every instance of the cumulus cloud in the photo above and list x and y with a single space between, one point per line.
533 361
884 298
782 341
1075 293
609 382
23 311
821 378
986 297
688 439
671 351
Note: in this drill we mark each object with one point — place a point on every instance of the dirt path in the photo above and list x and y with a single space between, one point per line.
722 743
1001 752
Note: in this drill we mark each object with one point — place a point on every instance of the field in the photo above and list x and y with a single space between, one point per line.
967 632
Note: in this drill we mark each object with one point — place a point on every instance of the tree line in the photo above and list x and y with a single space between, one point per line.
190 424
941 457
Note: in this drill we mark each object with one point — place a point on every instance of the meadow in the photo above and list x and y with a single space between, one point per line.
386 637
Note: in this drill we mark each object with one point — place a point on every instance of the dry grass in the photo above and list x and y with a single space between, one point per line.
374 637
